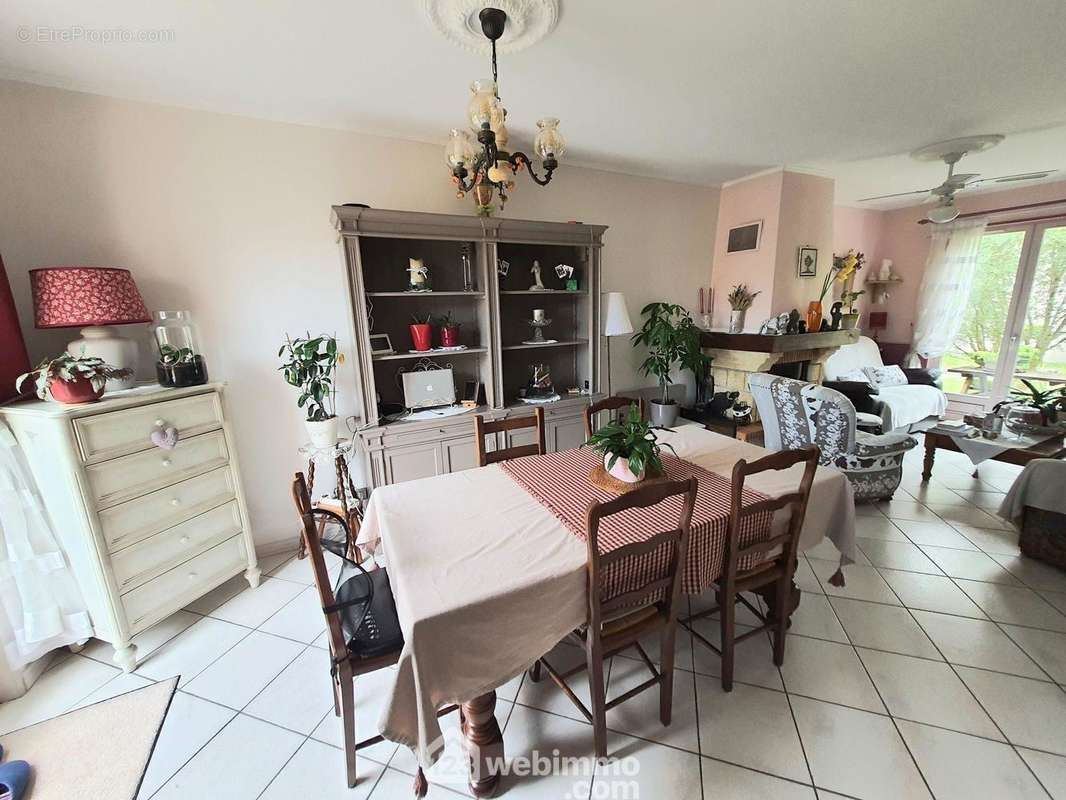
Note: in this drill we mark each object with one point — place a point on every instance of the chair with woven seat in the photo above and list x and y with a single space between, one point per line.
618 619
768 563
483 429
616 404
363 630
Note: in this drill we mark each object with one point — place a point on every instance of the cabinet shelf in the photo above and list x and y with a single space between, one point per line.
567 343
425 294
429 354
546 292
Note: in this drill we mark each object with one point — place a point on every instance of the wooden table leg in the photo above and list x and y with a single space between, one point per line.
930 454
483 743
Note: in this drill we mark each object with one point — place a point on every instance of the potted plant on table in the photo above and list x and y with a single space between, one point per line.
740 300
71 379
449 330
1045 403
631 450
180 366
671 337
850 318
309 365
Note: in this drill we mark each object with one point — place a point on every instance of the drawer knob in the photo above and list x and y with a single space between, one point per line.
159 423
165 462
175 501
184 540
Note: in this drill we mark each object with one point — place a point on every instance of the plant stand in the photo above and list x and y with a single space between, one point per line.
346 494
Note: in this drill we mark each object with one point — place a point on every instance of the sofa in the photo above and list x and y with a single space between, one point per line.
907 408
796 414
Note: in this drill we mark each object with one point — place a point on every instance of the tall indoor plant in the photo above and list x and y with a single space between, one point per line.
309 364
671 337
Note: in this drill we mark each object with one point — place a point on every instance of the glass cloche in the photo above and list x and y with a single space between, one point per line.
179 361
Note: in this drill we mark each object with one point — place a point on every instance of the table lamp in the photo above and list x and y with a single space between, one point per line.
91 298
616 322
878 321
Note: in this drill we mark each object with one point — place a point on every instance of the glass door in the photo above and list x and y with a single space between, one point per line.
1015 323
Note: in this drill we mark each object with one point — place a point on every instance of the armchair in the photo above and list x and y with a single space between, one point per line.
796 414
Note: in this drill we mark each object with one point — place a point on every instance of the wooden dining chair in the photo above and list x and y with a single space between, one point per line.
483 429
617 620
363 630
610 404
767 565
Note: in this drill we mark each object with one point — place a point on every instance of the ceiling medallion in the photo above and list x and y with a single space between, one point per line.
528 21
485 166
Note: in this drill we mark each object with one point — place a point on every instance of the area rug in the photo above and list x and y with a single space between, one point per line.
99 752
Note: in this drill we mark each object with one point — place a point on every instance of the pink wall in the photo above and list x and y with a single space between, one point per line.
806 220
861 230
748 201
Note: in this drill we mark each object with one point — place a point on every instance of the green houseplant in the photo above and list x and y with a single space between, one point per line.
1046 401
671 337
630 448
309 364
449 330
70 379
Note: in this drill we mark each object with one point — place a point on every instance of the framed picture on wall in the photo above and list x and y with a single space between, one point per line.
744 237
380 345
807 262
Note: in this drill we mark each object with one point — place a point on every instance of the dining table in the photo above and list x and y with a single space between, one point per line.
487 579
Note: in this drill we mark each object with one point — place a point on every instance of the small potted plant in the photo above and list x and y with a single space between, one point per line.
180 366
71 379
309 365
631 451
1045 403
669 334
449 330
740 300
421 332
850 318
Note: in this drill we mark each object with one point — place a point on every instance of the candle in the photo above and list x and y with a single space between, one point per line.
701 299
538 315
418 272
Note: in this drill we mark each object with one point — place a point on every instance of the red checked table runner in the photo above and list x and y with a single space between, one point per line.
560 482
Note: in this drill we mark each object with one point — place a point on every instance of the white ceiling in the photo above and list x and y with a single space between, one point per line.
702 91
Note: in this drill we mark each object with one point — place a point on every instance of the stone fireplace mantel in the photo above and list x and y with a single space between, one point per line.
737 355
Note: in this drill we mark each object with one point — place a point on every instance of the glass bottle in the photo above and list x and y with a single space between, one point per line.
179 361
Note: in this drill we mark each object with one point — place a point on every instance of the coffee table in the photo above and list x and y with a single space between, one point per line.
1053 447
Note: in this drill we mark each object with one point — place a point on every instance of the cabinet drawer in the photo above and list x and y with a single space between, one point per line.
131 476
176 588
105 436
145 560
142 517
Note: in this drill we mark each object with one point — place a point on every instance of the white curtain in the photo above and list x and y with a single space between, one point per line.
945 290
41 606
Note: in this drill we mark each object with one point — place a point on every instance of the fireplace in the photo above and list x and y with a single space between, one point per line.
800 356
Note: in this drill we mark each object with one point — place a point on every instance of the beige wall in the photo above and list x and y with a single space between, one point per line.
229 217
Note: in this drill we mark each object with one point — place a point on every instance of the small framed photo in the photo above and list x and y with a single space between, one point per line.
744 237
807 262
380 345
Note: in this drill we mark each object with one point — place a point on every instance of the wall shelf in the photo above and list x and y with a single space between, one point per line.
429 354
569 343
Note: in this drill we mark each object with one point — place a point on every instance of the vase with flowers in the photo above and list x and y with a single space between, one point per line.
740 300
843 269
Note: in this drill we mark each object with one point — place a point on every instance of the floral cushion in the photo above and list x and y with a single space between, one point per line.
856 375
885 376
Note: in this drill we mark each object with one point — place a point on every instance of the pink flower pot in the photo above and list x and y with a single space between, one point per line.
422 337
449 336
74 392
621 470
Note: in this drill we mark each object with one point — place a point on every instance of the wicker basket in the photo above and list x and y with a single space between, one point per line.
1043 536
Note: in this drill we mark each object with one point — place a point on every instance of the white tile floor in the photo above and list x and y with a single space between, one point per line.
938 671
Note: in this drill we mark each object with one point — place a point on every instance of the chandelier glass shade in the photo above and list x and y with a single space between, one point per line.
479 159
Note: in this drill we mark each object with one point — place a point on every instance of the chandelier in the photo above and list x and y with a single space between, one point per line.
486 166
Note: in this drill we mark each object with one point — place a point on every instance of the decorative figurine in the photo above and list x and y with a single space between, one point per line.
740 412
793 322
801 326
419 276
824 327
538 285
835 312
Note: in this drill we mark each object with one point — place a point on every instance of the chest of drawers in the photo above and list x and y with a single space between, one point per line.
147 530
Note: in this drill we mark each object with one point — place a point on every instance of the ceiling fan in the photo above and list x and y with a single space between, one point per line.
950 152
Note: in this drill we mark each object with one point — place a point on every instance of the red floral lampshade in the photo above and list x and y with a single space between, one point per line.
79 297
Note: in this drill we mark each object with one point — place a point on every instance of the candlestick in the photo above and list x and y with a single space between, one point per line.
538 314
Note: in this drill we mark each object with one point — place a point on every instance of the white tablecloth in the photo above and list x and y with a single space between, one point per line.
487 580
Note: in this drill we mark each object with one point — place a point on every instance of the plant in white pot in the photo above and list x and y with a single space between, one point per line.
630 448
671 337
309 365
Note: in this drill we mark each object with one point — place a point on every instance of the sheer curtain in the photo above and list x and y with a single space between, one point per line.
41 606
945 290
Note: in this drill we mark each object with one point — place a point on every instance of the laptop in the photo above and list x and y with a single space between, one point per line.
429 388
